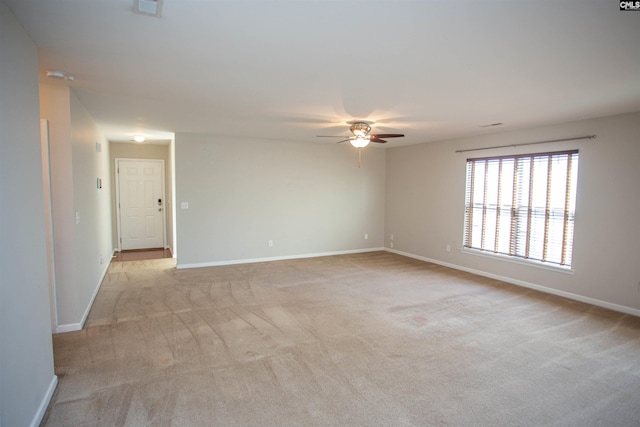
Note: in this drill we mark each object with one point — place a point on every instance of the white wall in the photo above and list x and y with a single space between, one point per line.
75 166
425 207
93 244
27 378
307 198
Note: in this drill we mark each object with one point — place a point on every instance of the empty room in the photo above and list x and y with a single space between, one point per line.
320 213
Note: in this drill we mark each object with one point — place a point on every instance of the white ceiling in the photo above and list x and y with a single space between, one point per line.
290 70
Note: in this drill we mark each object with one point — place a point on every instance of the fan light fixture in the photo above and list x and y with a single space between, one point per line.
139 138
361 137
360 142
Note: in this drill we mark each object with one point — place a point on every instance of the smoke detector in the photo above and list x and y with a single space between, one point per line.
57 74
148 7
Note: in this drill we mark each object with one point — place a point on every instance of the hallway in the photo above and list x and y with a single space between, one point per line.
141 255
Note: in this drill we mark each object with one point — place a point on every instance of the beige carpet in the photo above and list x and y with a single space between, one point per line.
359 340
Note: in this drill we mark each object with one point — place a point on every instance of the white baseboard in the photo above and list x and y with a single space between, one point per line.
279 258
42 409
70 327
569 295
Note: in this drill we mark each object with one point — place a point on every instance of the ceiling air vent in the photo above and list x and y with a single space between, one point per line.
148 7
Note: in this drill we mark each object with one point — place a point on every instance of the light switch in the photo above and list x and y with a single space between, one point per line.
77 217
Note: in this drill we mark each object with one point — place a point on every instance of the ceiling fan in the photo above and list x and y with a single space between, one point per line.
361 137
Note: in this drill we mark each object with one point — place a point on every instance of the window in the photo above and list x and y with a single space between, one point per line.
522 206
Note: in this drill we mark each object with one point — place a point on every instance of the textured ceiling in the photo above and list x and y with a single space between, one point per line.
290 70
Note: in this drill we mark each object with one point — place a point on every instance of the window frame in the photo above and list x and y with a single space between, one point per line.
520 210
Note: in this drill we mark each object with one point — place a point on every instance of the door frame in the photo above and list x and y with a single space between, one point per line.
164 198
48 221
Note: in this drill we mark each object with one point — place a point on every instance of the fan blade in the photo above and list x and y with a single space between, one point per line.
344 140
331 136
387 135
381 141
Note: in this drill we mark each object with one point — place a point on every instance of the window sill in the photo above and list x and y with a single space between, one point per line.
521 261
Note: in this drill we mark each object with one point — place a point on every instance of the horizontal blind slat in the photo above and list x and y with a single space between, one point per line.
513 205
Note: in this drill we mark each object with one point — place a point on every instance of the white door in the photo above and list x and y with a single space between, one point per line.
141 203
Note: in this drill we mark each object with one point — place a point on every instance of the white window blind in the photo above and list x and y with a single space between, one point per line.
522 206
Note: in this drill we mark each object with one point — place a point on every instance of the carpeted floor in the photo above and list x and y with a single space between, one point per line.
357 340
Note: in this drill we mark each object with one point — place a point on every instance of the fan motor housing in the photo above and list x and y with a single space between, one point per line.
360 129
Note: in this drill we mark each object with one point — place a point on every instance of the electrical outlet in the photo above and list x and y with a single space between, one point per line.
184 205
448 248
391 245
270 243
366 236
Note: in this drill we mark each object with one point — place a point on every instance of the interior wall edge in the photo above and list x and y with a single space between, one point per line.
70 327
26 350
95 293
42 409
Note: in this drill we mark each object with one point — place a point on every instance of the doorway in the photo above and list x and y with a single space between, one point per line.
140 198
141 255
